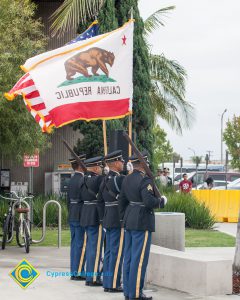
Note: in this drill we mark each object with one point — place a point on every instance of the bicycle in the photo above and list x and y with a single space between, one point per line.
23 229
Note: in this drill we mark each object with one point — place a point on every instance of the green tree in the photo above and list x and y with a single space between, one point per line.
176 157
231 137
92 143
197 160
20 38
162 150
143 116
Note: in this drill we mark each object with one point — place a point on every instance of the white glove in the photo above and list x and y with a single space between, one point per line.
106 170
164 198
129 167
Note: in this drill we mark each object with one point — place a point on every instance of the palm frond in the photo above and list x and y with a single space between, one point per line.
156 19
165 109
73 12
168 92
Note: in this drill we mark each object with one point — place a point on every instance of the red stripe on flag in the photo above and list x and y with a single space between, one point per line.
89 110
39 106
16 86
33 94
25 84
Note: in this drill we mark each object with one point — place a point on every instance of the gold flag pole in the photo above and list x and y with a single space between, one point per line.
130 134
105 137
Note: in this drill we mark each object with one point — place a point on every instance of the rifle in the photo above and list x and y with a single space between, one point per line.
144 164
79 161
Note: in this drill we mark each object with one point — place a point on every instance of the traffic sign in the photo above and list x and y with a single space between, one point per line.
31 161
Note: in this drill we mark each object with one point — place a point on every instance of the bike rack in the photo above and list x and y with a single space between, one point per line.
44 222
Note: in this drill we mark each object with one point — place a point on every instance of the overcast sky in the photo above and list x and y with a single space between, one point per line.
204 37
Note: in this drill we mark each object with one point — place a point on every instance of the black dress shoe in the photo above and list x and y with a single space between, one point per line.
116 290
144 297
96 283
106 290
78 278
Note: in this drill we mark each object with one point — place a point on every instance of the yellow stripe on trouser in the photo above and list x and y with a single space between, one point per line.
97 253
83 253
140 265
118 258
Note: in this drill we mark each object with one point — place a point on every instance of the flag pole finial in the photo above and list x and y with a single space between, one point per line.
131 12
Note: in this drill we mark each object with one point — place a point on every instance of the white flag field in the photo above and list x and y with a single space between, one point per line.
87 80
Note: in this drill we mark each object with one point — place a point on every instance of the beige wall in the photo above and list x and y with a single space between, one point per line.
48 161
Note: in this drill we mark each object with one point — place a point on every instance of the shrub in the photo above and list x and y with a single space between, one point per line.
197 215
52 211
3 210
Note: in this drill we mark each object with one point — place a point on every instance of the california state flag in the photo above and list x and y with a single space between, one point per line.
87 80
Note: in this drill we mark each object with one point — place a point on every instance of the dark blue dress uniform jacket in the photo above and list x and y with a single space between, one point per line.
92 210
108 194
74 200
137 202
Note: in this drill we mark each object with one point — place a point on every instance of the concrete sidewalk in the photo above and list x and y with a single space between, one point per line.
229 228
44 287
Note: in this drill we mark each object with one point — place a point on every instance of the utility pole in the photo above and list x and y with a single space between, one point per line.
222 135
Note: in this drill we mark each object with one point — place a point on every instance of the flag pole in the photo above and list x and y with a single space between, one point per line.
104 137
130 134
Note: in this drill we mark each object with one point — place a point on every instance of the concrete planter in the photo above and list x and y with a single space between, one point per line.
170 230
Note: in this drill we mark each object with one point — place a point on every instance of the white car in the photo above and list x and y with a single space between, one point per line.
234 185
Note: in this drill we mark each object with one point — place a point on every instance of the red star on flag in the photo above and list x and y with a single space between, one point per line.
124 40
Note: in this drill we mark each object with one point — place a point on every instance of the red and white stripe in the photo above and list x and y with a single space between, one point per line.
32 99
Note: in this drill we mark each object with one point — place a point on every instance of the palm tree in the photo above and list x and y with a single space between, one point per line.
197 160
167 94
73 12
168 81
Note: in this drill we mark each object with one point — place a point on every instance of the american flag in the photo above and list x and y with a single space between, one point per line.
32 98
89 33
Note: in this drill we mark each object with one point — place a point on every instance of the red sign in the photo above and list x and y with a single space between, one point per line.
31 161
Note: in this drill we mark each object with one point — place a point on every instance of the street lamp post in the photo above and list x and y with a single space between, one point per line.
194 153
225 110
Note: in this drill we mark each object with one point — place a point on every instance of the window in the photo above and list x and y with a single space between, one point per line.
218 176
234 177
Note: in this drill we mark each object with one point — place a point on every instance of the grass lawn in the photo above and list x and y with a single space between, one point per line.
51 238
194 238
208 238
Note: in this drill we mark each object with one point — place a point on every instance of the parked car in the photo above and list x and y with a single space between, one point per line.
200 177
217 184
234 185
